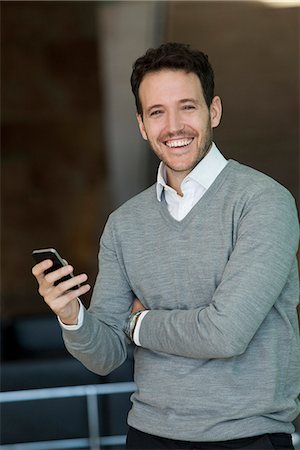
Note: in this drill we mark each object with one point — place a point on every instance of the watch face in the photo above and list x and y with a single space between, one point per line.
130 326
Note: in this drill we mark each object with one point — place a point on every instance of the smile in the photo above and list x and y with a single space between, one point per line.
179 143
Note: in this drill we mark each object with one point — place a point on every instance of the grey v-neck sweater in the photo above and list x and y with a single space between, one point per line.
220 355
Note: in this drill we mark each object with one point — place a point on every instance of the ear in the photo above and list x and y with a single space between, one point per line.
215 111
141 126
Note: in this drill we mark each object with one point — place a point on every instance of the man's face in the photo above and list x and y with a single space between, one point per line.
176 120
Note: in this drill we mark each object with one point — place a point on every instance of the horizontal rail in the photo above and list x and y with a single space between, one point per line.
67 391
76 391
66 444
71 444
90 392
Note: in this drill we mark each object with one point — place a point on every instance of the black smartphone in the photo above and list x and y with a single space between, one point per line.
58 262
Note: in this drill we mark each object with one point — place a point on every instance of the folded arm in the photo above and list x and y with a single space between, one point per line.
255 275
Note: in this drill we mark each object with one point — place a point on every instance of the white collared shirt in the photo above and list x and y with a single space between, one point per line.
193 188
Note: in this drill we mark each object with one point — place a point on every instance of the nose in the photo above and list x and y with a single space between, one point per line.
174 123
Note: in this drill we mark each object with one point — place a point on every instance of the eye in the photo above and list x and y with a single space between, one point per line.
188 107
156 112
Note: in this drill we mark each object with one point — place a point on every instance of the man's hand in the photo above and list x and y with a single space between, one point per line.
61 298
137 306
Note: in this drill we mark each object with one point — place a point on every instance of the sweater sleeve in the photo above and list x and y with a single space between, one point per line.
100 343
258 269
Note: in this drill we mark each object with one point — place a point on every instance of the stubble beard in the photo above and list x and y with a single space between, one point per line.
202 152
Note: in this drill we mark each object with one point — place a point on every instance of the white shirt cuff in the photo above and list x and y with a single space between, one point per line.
136 333
79 320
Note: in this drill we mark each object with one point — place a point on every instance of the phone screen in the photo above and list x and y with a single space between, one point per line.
58 262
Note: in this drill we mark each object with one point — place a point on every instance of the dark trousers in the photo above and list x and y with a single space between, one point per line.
137 440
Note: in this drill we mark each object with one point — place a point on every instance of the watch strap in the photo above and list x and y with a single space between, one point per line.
131 323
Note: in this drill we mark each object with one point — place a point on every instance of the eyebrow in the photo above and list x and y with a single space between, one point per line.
153 107
191 100
184 100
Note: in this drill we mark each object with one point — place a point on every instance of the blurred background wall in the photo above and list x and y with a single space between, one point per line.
71 151
54 172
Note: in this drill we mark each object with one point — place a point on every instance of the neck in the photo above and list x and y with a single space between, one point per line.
174 179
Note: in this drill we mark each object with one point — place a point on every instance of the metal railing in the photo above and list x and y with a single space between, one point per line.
94 441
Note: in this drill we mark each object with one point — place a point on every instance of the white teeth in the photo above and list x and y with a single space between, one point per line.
179 143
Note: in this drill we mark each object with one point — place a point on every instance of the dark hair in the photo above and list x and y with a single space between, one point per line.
175 56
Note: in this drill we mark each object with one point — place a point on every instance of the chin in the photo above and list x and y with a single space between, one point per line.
181 167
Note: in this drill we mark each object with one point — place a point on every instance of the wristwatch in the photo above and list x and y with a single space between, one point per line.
131 323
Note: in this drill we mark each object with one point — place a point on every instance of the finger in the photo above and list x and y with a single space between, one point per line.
137 306
39 269
56 275
138 303
65 286
76 293
60 303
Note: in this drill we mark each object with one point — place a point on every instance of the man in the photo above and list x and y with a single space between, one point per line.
205 262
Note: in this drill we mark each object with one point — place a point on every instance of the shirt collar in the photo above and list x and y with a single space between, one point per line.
204 173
